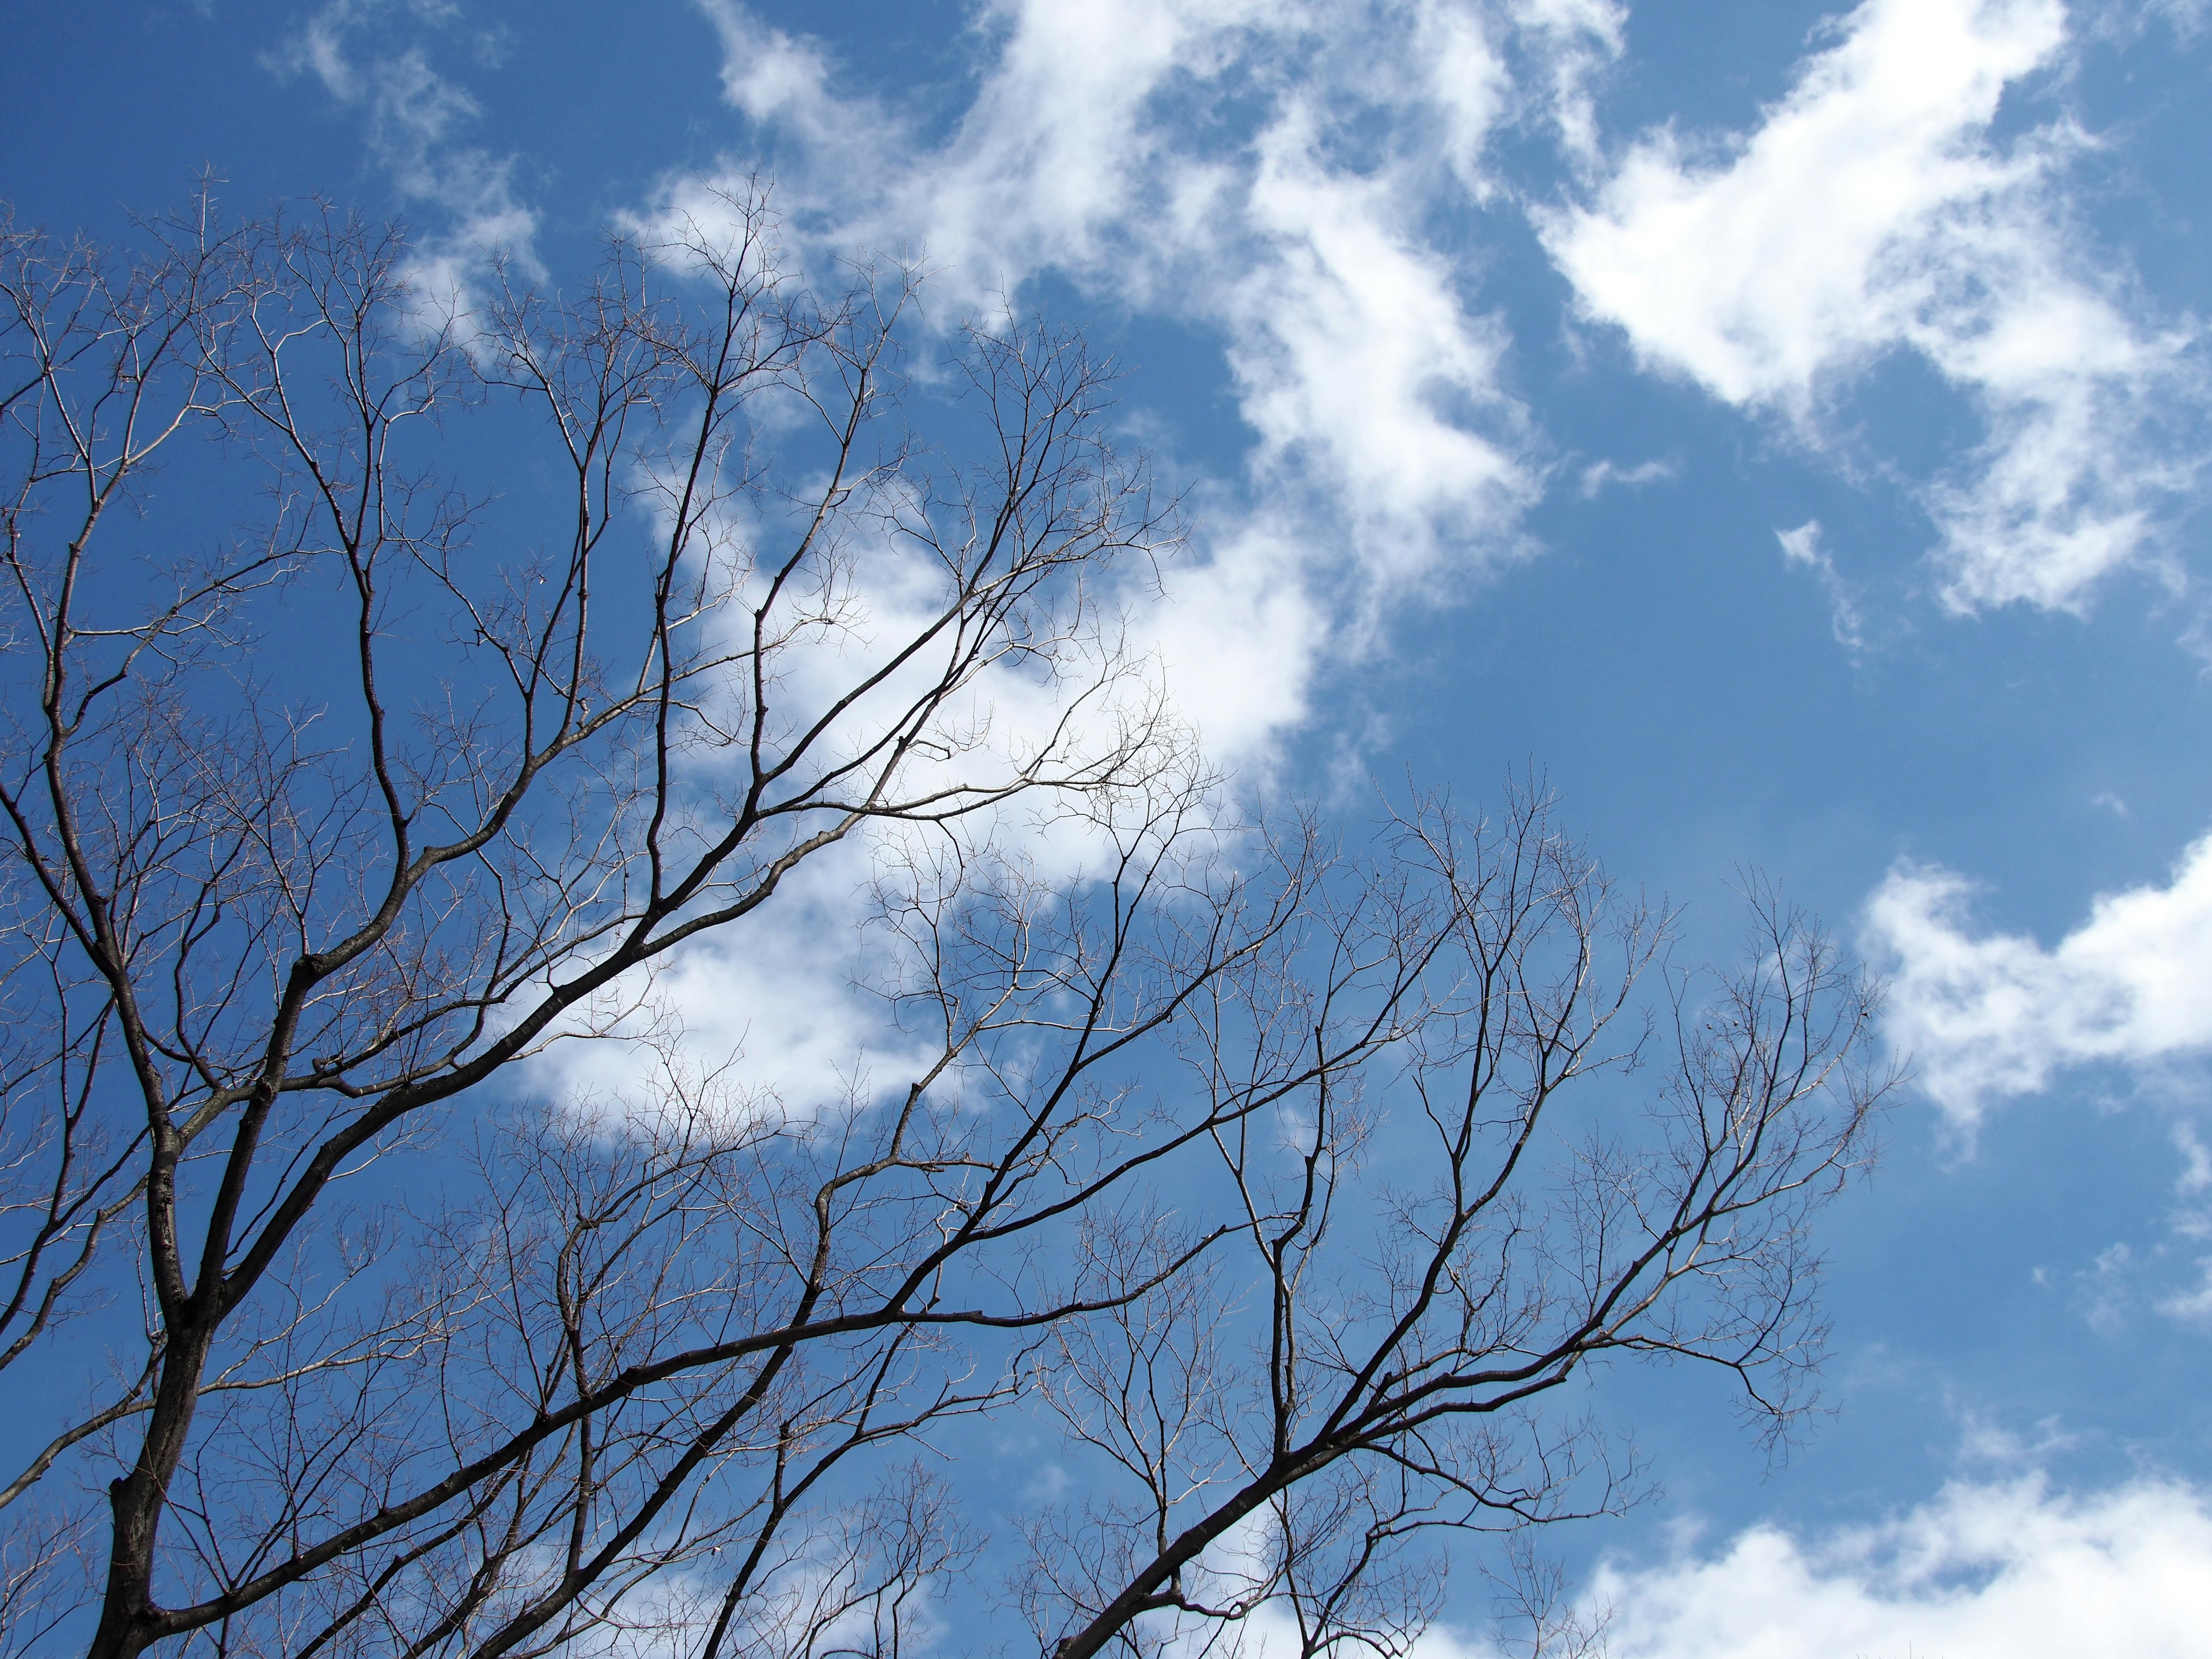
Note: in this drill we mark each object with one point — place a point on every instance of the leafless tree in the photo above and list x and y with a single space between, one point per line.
330 832
1415 1296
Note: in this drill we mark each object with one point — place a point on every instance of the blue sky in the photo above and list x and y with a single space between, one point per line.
1781 424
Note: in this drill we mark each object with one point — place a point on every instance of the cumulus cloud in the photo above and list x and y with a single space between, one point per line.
1872 211
1269 176
1049 165
2002 1569
792 1009
1987 1014
1362 371
775 1026
2009 1570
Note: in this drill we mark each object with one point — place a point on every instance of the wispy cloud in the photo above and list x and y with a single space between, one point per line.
414 119
1801 547
1603 475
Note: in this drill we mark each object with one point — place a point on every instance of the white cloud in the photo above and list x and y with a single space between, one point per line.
1244 634
2196 1176
1573 43
1368 384
1985 1443
1989 1014
1051 159
2010 1571
793 1009
415 115
1801 547
780 1019
1599 475
1872 211
1759 272
2193 1221
1216 161
2193 1307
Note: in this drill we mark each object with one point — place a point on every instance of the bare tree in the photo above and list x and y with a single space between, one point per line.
329 836
1416 1297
